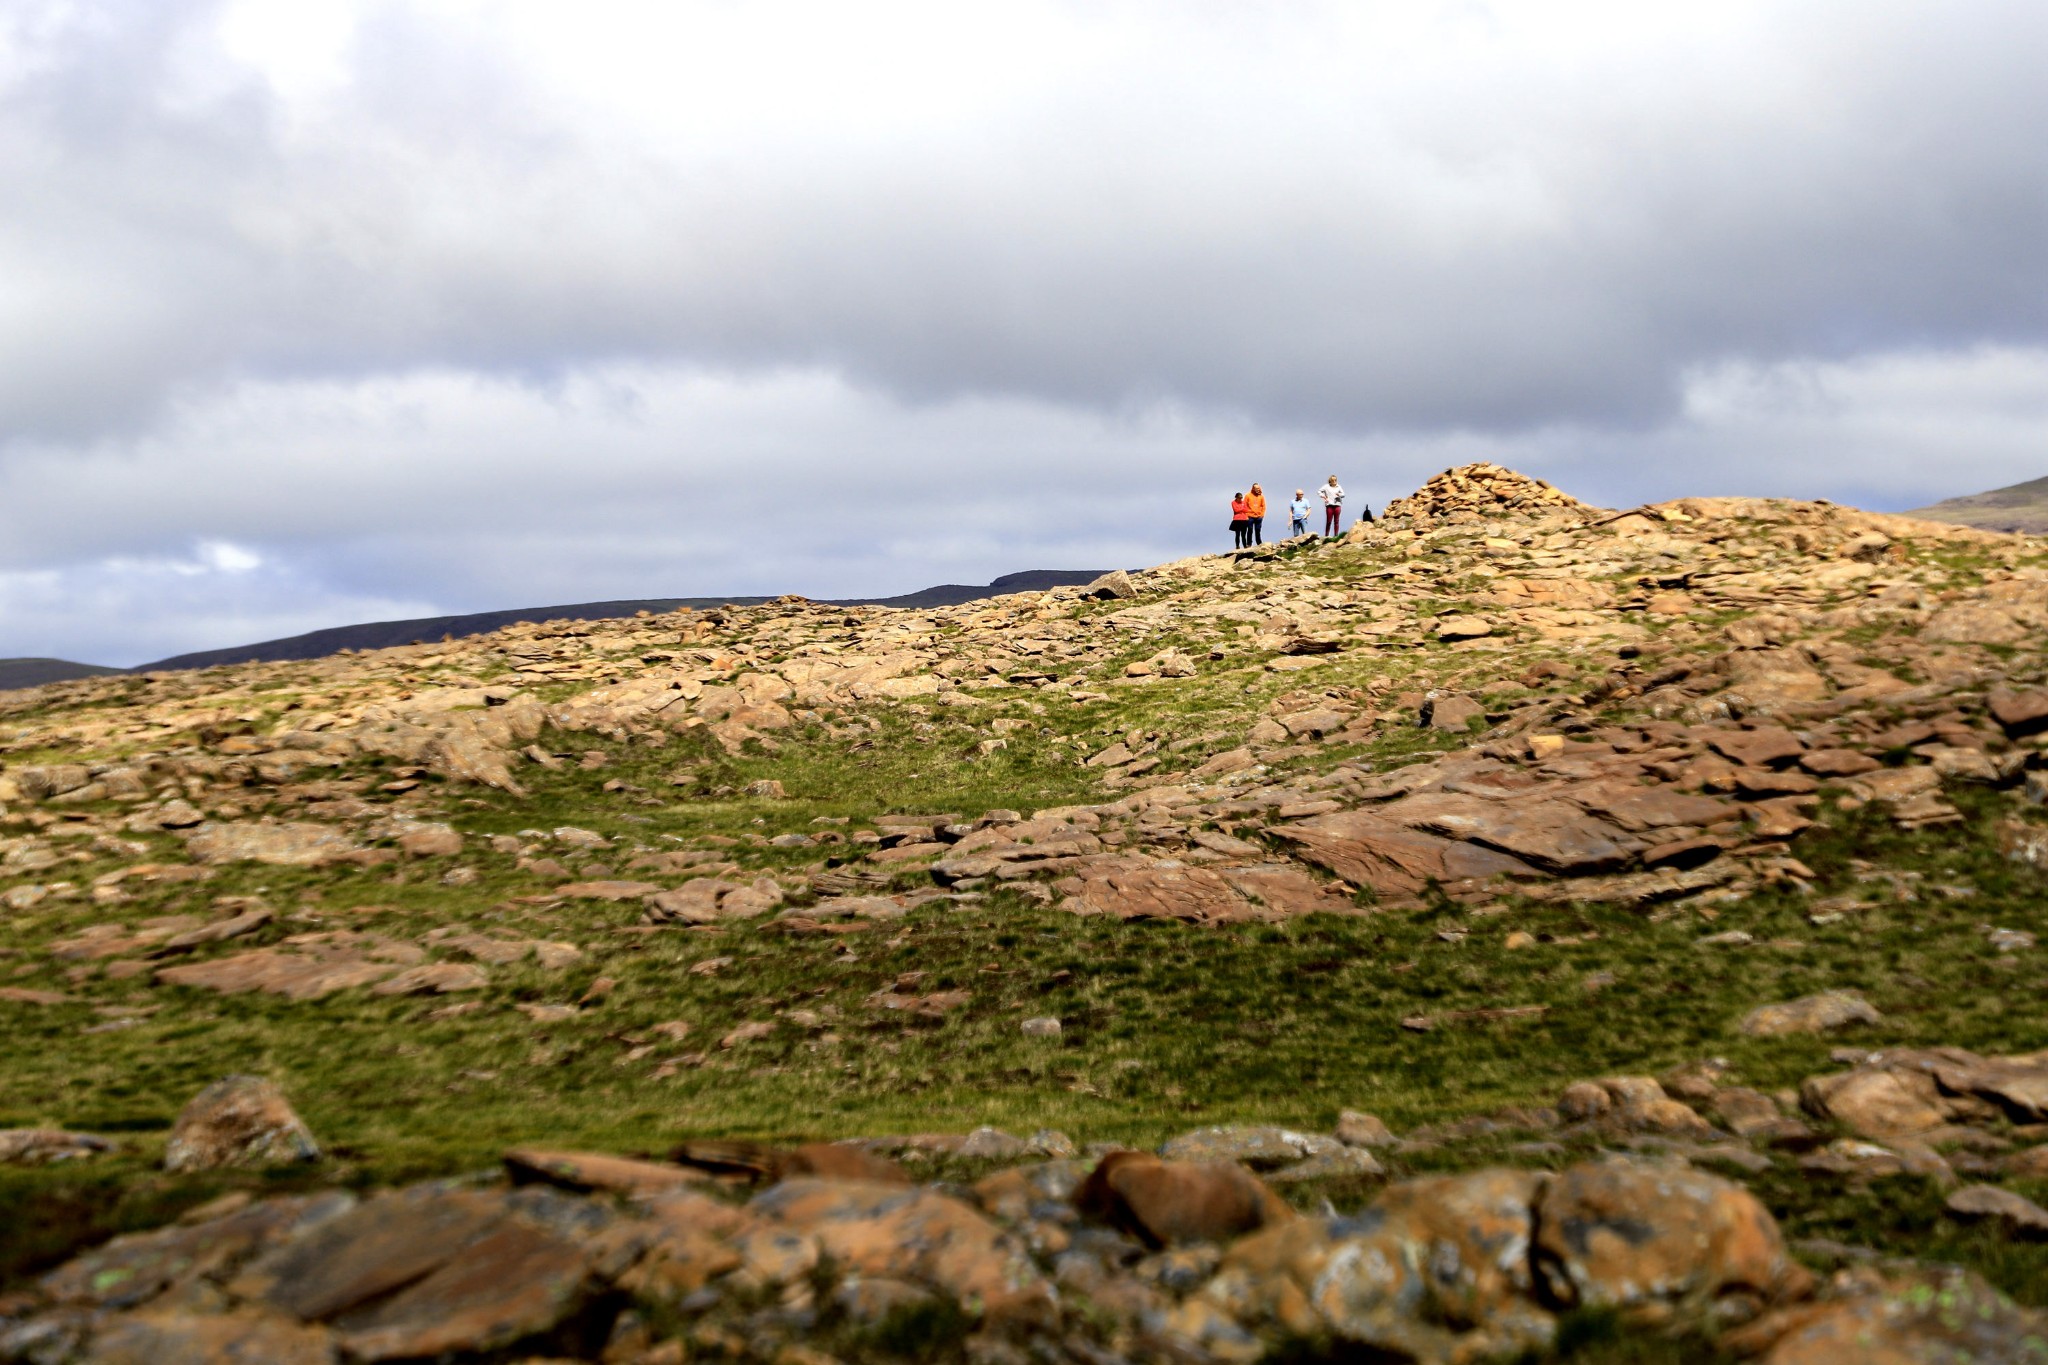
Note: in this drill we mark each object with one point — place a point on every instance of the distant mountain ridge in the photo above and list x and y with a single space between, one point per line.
36 672
426 629
2020 507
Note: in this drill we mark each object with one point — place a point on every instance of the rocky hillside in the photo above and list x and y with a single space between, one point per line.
2020 508
1519 930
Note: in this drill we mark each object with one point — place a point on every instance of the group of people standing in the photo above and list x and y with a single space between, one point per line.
1248 513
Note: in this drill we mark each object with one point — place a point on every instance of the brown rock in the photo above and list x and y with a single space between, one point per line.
913 1234
1367 849
1454 712
1878 1103
1314 724
1861 1161
586 1171
1932 1317
136 1269
238 1121
2018 1085
836 1161
1554 835
1286 890
390 1241
2016 1215
28 995
1261 1147
1363 1130
1640 1104
2020 713
295 976
430 841
1625 1234
193 1339
1763 747
45 1146
2031 1164
1435 1270
1113 584
1970 624
434 978
607 890
1167 1202
513 1282
1810 1014
1837 762
297 844
1131 886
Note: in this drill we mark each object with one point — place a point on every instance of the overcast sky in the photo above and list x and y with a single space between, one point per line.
326 312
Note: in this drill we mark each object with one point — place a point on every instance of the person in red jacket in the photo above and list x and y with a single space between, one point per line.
1255 516
1240 515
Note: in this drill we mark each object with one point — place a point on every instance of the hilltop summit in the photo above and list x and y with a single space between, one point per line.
1483 489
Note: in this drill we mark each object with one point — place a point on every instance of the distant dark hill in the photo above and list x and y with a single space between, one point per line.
2022 507
36 672
317 644
953 594
383 634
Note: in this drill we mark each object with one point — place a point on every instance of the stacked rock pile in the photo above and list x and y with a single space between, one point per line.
1482 489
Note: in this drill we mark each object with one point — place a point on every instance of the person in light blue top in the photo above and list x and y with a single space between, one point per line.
1298 509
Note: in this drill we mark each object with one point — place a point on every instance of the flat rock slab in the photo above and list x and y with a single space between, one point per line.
1369 850
1764 747
386 1243
1553 834
2019 1085
295 976
434 978
132 1270
192 1339
514 1282
2016 1214
1257 1146
607 890
1637 808
291 844
586 1171
43 1146
1810 1014
1131 886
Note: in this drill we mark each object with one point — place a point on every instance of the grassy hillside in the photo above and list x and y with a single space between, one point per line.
815 867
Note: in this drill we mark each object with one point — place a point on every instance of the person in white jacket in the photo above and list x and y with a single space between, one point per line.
1333 506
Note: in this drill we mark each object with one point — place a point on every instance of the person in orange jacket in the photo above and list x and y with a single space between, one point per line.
1240 520
1255 516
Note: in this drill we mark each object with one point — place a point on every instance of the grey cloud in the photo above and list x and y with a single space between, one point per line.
454 493
1536 250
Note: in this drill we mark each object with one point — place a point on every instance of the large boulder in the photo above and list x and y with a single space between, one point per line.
1659 1238
1167 1202
909 1233
1437 1270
